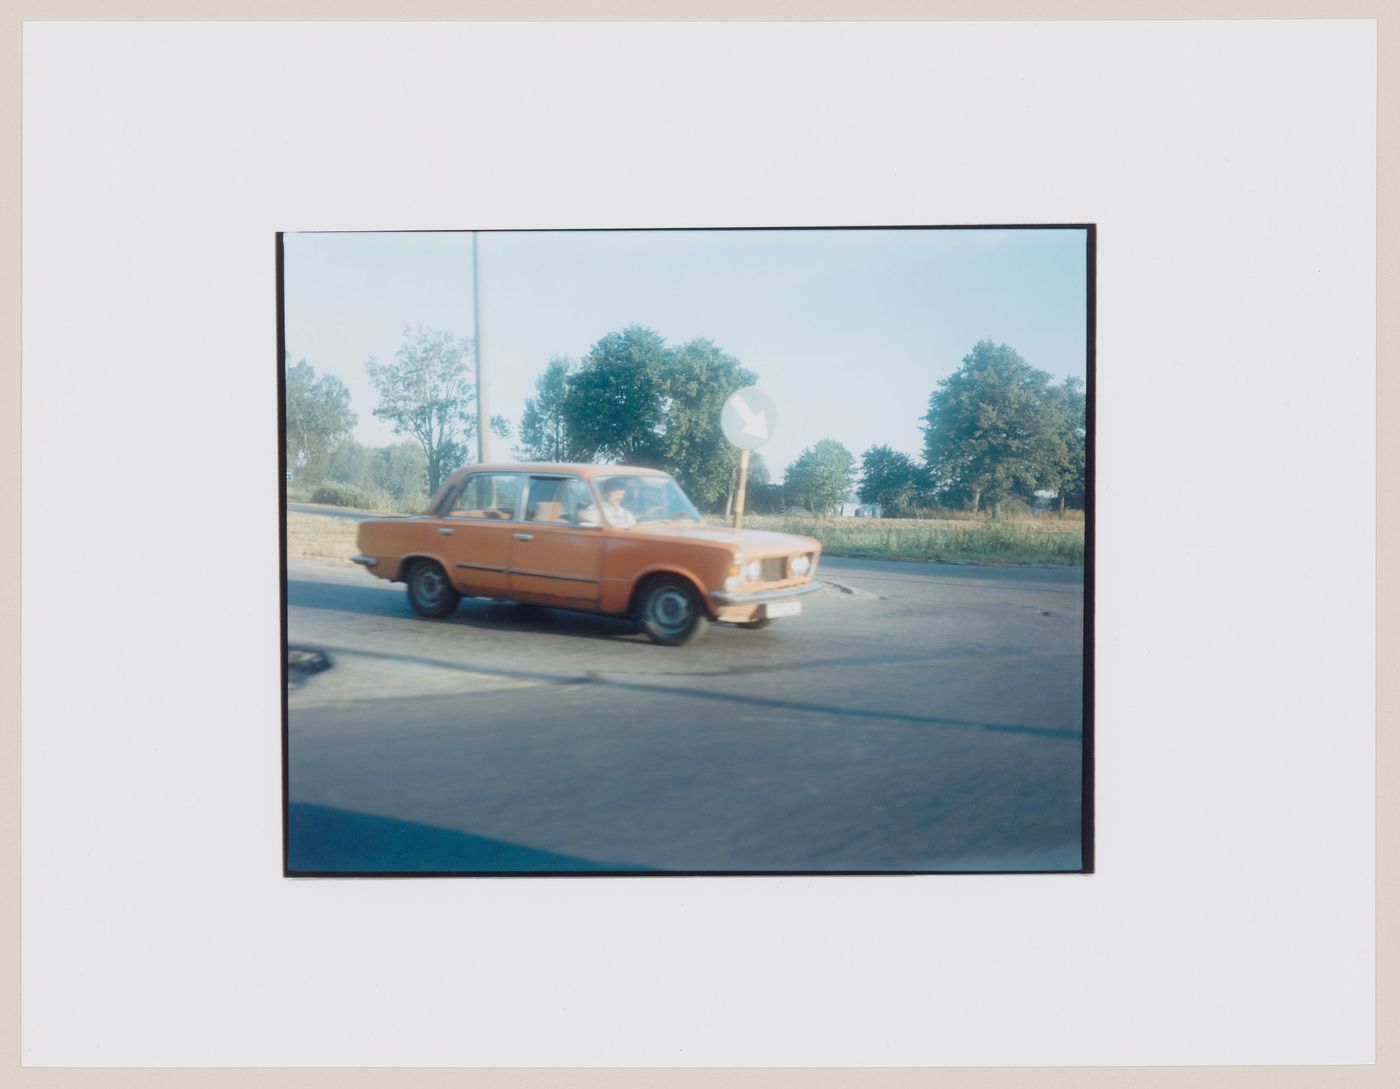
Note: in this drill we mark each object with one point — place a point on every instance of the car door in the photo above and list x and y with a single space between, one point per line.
554 558
476 532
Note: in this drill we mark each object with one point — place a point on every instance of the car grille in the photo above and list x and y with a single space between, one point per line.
774 569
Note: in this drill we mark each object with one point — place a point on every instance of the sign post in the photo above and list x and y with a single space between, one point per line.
743 484
747 419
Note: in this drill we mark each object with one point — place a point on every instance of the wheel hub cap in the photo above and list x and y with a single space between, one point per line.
671 610
430 587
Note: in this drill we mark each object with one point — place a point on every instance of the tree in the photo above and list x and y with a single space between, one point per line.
402 471
761 495
319 421
637 401
1067 472
699 379
544 428
822 476
615 404
992 429
354 464
890 478
427 393
399 472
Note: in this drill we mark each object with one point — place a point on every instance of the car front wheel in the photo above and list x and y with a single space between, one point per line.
671 614
429 591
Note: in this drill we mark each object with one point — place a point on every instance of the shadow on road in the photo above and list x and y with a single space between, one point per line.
327 841
472 613
746 700
496 618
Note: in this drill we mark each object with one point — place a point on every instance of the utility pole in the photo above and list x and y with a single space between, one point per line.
483 418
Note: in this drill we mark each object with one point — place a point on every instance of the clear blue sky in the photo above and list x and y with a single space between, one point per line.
848 331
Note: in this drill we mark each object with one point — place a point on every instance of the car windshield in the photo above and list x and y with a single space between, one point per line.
633 499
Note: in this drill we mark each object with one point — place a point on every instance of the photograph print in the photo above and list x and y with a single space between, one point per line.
687 552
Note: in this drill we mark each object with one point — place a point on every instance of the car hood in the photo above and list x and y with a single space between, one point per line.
751 542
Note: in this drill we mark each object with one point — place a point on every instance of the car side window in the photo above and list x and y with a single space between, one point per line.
561 500
487 495
544 504
579 507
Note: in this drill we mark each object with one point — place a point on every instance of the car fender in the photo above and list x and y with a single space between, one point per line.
620 594
671 570
408 558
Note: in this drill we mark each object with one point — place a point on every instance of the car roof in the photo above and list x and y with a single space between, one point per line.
577 468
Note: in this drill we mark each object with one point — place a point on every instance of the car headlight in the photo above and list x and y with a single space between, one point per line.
732 582
800 565
754 571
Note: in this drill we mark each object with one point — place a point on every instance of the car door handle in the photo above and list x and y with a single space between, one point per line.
445 531
523 536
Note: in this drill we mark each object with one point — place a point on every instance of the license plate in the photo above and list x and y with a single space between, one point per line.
782 608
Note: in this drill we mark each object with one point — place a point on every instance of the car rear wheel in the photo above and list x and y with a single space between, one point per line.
429 591
670 612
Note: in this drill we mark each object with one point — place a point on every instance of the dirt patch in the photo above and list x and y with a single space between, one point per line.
321 538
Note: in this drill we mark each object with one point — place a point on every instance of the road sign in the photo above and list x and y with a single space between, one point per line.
748 418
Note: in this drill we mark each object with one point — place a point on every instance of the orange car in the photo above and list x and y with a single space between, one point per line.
605 539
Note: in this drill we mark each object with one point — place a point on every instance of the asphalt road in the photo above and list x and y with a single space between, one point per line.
346 513
916 718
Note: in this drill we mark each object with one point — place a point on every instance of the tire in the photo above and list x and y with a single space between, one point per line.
429 592
670 612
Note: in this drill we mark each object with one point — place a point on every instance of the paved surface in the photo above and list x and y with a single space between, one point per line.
346 513
920 717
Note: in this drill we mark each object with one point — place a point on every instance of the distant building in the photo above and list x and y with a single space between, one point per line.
854 508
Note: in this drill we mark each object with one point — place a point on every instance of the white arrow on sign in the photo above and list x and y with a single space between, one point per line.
749 418
755 423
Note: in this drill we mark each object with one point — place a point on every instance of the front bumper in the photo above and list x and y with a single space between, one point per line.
761 597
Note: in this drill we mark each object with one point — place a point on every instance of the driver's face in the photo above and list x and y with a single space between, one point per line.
613 496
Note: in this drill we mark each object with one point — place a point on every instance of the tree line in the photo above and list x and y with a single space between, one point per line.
997 430
319 421
426 392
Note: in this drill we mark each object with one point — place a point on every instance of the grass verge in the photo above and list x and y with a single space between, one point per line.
1046 541
1038 542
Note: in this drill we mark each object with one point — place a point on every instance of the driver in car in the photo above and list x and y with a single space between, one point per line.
613 510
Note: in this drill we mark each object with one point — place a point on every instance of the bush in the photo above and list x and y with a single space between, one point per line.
1013 506
345 495
765 498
